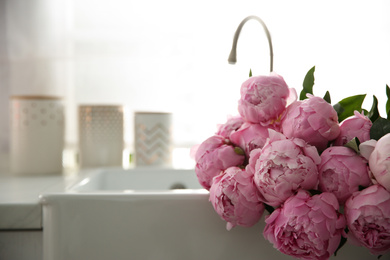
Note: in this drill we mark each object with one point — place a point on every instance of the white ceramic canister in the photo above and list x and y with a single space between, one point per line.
101 140
153 139
37 135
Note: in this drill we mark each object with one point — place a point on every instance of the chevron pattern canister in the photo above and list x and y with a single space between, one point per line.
153 139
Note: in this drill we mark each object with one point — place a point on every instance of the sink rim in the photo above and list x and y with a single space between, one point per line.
86 175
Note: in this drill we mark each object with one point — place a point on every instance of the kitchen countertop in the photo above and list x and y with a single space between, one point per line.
20 208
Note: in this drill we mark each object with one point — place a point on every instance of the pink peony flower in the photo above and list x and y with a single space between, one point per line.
355 126
380 161
263 98
313 120
306 227
282 167
368 219
213 156
236 199
250 136
366 148
342 171
232 124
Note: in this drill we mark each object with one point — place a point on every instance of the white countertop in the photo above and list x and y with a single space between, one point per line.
19 199
20 207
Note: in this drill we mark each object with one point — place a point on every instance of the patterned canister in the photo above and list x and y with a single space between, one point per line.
101 141
37 135
153 139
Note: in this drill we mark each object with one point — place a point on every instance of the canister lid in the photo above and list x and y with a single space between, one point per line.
36 97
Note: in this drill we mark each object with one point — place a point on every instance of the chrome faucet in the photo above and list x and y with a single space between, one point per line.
233 54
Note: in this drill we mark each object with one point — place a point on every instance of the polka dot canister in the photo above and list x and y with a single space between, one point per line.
101 135
37 135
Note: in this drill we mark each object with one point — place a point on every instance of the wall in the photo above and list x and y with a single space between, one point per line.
4 91
35 55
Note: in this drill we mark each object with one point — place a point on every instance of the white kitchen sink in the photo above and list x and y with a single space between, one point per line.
135 214
141 180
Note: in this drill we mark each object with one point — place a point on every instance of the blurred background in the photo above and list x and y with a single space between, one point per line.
171 55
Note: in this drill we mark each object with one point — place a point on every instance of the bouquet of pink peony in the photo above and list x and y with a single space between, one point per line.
322 172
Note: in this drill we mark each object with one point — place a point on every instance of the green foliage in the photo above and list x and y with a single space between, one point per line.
239 151
354 144
327 97
388 102
373 115
250 72
314 192
342 241
308 84
269 208
347 106
379 128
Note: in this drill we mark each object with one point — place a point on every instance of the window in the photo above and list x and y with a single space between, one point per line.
172 55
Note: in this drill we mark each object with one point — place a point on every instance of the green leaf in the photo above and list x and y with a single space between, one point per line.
354 144
327 97
374 112
380 128
250 72
314 192
308 84
347 106
239 151
388 102
343 240
269 208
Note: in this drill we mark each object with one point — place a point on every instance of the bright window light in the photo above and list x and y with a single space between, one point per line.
172 55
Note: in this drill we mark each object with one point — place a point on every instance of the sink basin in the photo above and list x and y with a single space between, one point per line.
141 214
142 179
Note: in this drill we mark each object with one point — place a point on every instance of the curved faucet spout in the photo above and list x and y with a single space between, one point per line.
233 54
